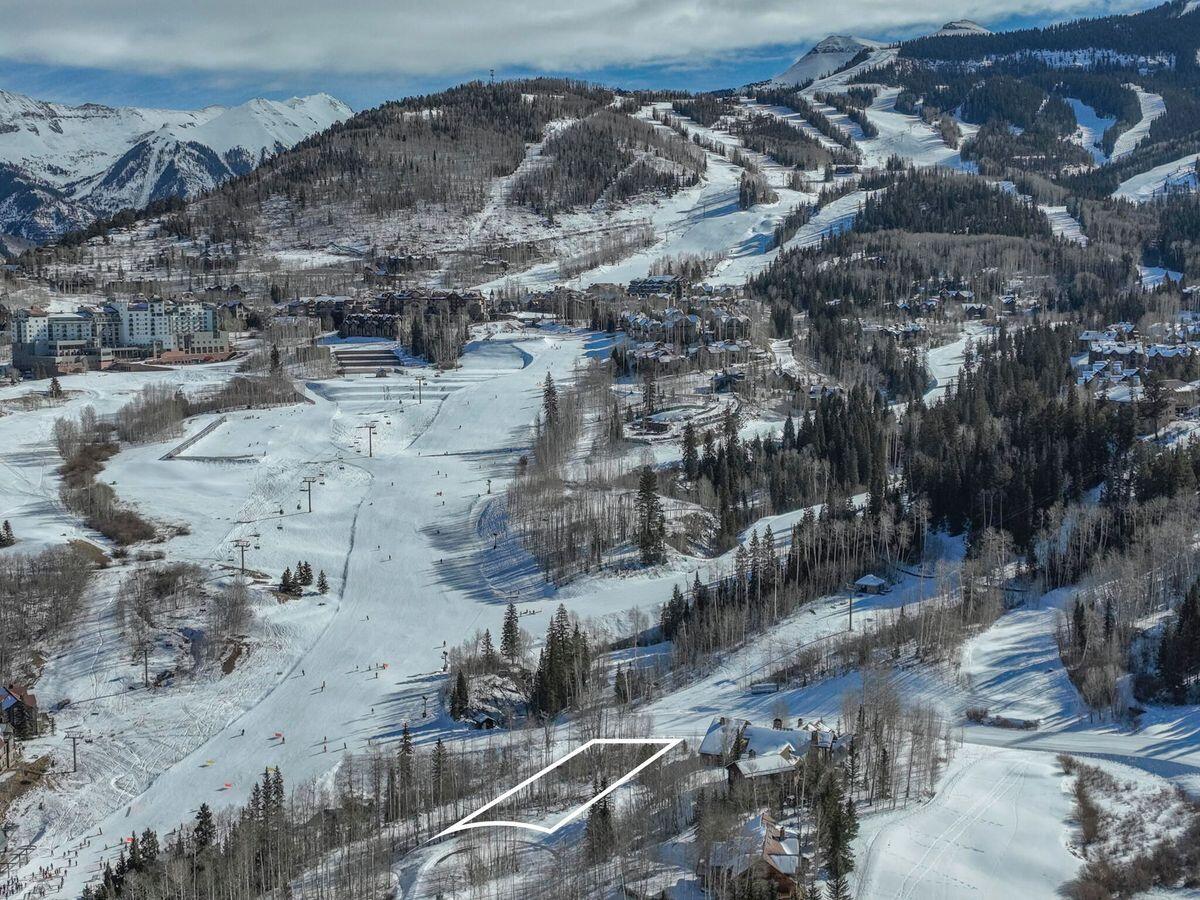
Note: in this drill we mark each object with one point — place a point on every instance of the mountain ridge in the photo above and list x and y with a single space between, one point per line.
62 165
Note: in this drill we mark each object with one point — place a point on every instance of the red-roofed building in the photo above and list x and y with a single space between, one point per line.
18 708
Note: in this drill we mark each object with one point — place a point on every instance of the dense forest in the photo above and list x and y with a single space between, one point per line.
940 201
436 148
796 102
1152 33
782 142
609 155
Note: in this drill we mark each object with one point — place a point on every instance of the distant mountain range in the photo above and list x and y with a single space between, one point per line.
63 166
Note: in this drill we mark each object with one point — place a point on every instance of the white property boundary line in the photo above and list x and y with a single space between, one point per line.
667 744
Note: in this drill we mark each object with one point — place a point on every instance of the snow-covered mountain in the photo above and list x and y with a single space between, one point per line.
828 56
960 27
62 166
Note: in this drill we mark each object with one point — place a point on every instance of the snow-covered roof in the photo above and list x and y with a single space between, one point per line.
763 741
872 581
760 766
788 865
721 737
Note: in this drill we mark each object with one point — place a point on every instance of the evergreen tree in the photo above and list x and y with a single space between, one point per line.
1154 398
439 770
563 667
649 391
616 428
322 583
276 364
488 652
136 861
838 888
601 832
621 684
7 538
839 826
404 769
56 390
204 832
510 635
286 584
650 524
150 849
549 401
691 459
119 873
459 697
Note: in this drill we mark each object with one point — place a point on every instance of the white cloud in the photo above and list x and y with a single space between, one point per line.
436 37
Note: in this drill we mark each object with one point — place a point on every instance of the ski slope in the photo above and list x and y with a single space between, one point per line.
1152 107
1064 225
1089 129
1177 175
391 531
995 828
906 136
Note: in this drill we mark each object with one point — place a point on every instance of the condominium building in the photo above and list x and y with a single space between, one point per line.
93 336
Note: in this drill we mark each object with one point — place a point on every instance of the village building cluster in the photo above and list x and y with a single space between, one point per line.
766 761
96 336
1115 362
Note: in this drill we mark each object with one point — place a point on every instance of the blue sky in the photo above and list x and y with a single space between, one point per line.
228 56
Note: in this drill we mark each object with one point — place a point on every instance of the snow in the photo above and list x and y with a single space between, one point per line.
391 604
995 828
1153 276
1013 668
900 134
704 220
61 144
1152 106
960 27
92 158
909 137
841 81
1090 128
945 362
999 823
1177 175
1063 224
824 58
831 219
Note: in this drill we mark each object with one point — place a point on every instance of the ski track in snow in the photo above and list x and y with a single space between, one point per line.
1177 175
1152 106
1064 225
